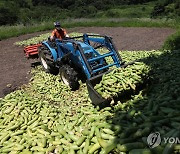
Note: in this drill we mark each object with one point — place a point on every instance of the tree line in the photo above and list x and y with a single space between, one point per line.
26 11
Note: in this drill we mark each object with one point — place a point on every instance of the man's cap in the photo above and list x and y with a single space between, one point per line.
57 24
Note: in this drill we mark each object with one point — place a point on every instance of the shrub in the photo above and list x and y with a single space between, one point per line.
167 8
8 15
172 42
158 10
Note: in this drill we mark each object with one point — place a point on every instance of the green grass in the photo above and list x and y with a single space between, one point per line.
119 22
13 31
129 11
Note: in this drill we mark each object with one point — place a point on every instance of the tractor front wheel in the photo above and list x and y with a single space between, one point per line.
47 61
69 77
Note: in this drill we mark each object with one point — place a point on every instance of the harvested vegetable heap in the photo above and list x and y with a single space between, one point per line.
45 116
40 38
122 79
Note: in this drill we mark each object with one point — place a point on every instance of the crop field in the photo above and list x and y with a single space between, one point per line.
45 116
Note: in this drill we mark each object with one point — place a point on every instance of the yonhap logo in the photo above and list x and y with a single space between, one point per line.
154 139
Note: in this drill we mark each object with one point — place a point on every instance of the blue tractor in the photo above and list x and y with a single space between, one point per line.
80 58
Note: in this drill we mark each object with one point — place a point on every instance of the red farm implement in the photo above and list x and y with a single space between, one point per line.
31 50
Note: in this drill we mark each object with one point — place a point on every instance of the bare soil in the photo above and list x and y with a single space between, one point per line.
15 68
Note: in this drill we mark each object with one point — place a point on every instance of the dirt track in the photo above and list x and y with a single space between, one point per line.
15 67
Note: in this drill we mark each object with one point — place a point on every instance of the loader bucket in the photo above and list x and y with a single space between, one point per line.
95 97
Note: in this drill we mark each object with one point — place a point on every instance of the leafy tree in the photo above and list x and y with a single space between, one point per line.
8 13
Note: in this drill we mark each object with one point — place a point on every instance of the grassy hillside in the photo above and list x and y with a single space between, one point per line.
129 11
31 11
11 31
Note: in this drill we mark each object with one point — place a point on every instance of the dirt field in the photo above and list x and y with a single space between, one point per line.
15 67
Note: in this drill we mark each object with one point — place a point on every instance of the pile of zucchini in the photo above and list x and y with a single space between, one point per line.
40 38
122 79
45 116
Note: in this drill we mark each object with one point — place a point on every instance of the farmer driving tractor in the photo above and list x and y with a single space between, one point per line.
58 32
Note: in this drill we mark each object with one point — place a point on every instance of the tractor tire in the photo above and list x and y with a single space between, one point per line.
69 77
47 61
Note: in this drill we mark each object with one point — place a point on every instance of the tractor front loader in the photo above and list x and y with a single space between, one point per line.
80 58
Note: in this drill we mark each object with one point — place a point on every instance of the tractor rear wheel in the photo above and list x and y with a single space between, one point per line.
47 61
69 77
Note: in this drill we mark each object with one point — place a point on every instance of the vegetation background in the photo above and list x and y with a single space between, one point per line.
25 16
30 11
